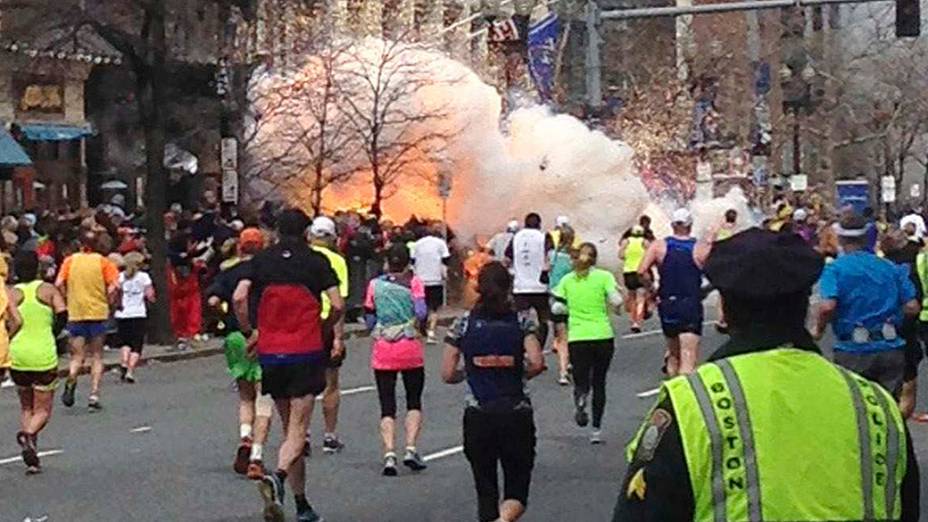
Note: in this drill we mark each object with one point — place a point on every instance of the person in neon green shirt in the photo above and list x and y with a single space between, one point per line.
324 236
631 252
42 314
585 295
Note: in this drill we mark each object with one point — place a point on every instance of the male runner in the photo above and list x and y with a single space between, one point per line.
528 256
430 256
282 298
324 236
89 282
680 259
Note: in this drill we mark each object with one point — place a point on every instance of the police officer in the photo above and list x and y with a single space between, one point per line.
769 429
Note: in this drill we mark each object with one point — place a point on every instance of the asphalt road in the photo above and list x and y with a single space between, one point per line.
162 449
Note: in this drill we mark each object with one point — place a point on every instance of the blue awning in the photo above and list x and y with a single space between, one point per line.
53 132
11 154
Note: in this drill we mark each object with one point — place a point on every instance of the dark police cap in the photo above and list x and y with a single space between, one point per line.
760 264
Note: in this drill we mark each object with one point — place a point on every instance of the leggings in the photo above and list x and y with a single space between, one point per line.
494 439
591 360
413 382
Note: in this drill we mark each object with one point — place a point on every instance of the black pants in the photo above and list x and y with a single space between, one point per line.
542 305
413 382
591 360
504 438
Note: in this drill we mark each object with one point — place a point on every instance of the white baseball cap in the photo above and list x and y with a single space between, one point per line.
512 226
800 214
323 226
562 220
682 216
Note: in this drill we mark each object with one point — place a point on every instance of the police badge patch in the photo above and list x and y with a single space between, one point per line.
652 435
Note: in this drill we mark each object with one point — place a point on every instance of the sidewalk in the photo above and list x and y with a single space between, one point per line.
209 348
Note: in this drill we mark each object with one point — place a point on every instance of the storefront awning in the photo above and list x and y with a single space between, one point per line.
53 132
11 154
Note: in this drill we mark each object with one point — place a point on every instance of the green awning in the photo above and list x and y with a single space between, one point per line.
11 154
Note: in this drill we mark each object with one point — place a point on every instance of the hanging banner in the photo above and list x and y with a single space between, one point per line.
854 194
542 54
229 186
888 189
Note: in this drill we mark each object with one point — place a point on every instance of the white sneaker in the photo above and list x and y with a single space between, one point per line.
596 437
431 339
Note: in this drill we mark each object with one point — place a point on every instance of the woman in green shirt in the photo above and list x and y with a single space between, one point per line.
585 295
34 352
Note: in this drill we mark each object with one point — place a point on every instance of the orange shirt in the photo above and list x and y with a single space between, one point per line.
87 277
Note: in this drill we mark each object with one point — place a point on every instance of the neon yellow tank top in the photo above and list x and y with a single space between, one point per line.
634 253
33 349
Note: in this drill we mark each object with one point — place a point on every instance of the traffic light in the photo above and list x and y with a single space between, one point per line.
908 18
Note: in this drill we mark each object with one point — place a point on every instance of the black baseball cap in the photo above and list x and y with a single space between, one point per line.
761 264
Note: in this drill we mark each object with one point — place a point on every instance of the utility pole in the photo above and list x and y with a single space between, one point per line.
594 88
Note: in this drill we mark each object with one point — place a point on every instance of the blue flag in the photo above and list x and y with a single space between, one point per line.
542 54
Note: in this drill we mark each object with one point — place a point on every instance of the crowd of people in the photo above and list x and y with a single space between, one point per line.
280 287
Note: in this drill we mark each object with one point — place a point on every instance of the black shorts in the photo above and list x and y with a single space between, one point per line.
328 340
434 297
292 381
43 381
131 333
539 302
632 281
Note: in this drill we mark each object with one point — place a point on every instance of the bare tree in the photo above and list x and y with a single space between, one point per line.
396 132
302 125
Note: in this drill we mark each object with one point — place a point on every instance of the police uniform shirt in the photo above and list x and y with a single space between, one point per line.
657 486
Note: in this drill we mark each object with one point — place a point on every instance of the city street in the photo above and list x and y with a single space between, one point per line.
162 449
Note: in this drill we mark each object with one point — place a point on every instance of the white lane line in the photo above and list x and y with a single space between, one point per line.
140 429
7 384
443 453
648 393
353 391
655 332
48 453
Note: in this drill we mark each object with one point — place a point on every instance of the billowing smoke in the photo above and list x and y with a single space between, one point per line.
543 162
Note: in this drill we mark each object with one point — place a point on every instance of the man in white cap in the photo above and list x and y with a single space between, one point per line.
680 259
500 241
324 237
559 224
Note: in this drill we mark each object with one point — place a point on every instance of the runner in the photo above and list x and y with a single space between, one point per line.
560 224
631 253
89 282
527 255
285 284
500 241
430 256
136 289
324 238
500 353
255 408
34 351
5 315
679 259
395 305
585 295
561 265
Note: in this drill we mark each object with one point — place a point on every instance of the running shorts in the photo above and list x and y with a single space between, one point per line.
434 297
632 281
131 333
293 381
239 364
885 368
87 329
45 380
680 316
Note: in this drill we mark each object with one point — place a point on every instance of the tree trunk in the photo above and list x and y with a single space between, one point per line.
317 192
149 78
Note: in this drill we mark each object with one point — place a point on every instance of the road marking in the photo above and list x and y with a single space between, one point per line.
140 429
655 332
353 391
648 393
443 453
48 453
7 384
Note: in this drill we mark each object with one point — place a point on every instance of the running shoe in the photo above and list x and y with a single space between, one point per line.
564 380
29 454
581 417
431 339
413 461
93 404
307 447
255 470
272 491
331 445
636 329
33 470
130 378
389 465
721 328
67 398
308 515
596 437
123 371
241 457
